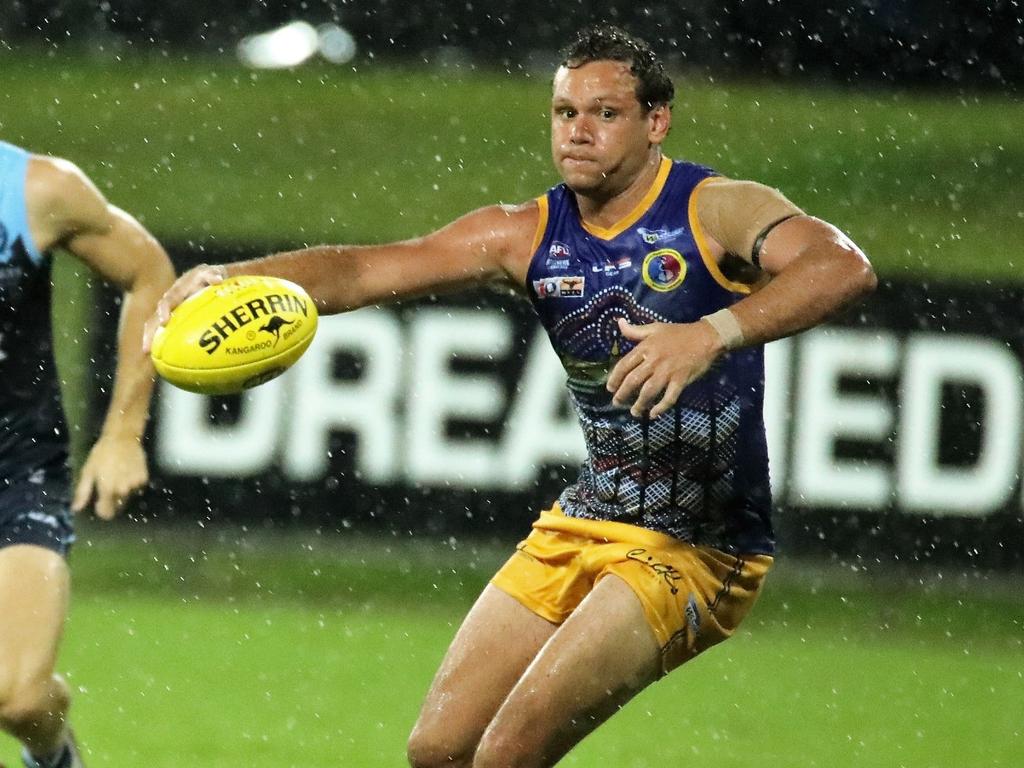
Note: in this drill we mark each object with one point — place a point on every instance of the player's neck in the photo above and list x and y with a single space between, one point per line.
606 211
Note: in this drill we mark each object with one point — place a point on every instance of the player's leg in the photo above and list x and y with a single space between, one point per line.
602 656
496 642
34 591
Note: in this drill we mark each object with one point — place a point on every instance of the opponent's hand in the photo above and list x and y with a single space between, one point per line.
189 283
114 471
666 358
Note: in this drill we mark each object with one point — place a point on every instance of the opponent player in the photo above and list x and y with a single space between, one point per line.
643 272
46 204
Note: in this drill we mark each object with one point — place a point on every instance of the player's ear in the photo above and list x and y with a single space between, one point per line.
659 120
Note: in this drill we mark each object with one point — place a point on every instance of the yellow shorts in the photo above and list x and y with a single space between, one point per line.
693 597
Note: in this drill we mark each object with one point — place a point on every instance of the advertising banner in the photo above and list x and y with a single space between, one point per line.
895 432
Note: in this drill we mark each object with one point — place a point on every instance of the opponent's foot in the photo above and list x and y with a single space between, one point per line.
67 757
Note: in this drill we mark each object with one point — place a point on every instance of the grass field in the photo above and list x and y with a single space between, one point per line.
222 648
204 150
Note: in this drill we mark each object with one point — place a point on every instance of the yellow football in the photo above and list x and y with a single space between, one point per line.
235 335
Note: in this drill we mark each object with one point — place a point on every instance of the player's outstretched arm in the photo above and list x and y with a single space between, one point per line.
67 210
489 245
811 269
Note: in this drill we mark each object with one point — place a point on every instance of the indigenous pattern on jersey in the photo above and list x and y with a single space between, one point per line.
32 431
700 471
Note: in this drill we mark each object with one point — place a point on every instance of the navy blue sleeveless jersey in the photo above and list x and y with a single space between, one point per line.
699 472
32 428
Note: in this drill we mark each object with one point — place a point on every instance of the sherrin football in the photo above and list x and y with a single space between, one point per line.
234 335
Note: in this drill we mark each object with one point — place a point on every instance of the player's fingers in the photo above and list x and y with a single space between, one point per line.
133 486
183 287
148 332
623 368
188 284
635 332
163 307
648 394
107 505
672 392
110 503
204 275
191 282
83 491
627 390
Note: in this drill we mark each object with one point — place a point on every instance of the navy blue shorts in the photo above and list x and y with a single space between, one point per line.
35 509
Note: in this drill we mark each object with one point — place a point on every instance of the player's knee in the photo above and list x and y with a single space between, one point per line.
30 700
432 747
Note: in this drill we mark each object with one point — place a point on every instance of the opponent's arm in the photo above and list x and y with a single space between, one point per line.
814 271
488 245
67 210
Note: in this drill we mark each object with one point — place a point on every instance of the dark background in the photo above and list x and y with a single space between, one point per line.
903 41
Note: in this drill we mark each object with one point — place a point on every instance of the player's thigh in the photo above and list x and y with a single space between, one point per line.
497 640
601 657
34 590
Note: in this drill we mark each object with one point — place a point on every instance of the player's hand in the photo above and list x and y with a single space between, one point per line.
666 358
189 283
114 471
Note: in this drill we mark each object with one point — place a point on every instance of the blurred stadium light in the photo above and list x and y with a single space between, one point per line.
287 46
295 43
336 45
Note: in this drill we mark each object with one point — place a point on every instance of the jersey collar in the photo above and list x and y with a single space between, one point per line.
641 208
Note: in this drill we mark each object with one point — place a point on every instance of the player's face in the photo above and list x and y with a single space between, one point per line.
600 137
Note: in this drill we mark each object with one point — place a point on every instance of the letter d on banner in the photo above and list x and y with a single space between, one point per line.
923 483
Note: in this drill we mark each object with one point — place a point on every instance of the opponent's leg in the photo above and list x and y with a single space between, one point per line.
602 656
497 640
34 591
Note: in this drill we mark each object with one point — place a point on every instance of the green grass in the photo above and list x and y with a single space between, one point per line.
927 182
222 647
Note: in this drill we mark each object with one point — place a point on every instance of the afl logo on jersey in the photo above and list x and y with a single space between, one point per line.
664 269
558 256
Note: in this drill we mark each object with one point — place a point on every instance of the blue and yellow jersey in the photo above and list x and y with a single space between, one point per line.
32 431
700 471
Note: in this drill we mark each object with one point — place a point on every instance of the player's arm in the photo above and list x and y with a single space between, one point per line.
811 270
66 210
489 245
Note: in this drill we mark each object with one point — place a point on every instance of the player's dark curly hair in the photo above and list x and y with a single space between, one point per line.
605 42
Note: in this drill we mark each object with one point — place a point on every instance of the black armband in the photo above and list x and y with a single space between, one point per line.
755 252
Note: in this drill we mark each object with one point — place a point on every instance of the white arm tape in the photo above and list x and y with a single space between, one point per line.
727 326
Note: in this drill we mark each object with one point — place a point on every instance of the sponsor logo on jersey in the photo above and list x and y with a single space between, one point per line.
664 269
652 236
558 256
569 286
612 267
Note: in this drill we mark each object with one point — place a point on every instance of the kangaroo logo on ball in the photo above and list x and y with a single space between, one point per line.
274 326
